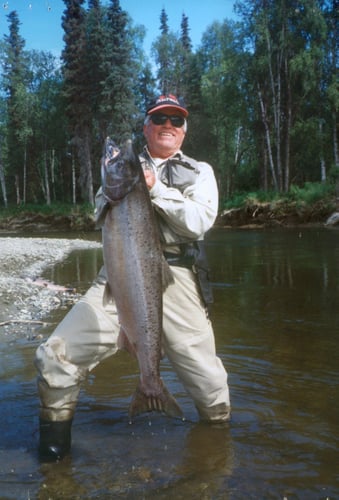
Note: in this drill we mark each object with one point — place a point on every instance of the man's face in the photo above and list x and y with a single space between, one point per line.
164 140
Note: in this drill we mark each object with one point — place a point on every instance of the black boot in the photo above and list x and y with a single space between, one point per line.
55 439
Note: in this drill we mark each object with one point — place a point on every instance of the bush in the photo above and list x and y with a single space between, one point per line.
240 200
310 193
62 209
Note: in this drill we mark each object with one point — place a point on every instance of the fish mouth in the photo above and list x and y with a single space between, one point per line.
112 151
115 186
119 189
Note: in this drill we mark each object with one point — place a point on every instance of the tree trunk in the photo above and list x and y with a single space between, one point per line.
288 128
322 159
3 184
47 190
83 144
237 146
24 187
278 129
276 103
17 189
335 141
53 173
265 171
74 182
268 140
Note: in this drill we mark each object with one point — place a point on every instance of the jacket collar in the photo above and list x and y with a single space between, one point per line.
147 155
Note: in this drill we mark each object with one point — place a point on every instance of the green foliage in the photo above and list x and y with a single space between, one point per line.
166 51
311 192
333 174
120 70
18 100
307 195
262 96
243 199
289 71
54 209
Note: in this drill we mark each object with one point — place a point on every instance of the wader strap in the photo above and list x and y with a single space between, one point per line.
201 267
193 256
179 260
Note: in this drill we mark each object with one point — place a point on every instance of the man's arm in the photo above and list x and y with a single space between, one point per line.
189 213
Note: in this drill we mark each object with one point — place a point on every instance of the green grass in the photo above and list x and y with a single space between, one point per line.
57 209
310 193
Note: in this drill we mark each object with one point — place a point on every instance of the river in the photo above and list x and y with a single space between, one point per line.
276 324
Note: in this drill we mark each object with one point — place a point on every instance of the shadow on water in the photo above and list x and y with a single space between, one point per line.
276 323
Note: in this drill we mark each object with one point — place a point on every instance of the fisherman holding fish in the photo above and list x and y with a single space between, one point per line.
140 301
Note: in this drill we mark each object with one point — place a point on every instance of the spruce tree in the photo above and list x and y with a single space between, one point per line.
15 73
76 91
185 60
185 37
117 105
167 50
95 54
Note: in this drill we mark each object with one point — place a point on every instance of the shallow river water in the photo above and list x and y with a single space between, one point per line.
276 324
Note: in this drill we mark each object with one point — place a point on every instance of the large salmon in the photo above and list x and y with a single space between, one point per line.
137 273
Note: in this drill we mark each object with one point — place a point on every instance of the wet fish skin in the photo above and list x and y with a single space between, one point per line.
117 179
137 273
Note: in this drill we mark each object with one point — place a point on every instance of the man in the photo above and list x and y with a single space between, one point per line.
185 198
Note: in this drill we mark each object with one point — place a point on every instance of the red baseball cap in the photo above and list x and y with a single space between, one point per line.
167 101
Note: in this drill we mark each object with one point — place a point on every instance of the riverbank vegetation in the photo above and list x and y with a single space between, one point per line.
34 218
312 204
262 94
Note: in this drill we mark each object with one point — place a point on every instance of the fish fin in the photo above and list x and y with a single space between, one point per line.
123 343
107 297
167 276
101 216
163 402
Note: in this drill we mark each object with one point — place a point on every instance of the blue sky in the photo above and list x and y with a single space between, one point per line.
41 19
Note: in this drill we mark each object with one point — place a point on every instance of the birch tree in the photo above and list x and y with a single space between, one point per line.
286 40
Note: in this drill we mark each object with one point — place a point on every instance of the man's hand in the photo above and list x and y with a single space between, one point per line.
149 178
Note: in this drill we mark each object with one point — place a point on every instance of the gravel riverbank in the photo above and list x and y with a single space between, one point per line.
25 298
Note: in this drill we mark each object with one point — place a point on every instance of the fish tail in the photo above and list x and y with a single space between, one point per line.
163 402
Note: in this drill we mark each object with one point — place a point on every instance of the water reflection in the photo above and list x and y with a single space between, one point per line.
78 270
276 323
153 459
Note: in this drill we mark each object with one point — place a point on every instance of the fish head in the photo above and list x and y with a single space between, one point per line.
120 170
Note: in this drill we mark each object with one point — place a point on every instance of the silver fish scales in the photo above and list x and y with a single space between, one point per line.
137 273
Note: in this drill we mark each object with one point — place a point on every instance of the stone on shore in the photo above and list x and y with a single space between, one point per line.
333 220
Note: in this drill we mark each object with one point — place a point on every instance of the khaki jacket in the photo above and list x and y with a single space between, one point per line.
184 196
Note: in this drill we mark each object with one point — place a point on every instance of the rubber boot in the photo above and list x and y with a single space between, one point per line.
55 439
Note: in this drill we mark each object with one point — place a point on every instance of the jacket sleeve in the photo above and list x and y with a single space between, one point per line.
188 214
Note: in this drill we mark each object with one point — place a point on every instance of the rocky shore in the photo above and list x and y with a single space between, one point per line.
25 298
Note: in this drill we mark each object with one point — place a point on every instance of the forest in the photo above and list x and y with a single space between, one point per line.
262 94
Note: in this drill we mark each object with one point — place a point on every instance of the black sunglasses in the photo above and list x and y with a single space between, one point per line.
160 119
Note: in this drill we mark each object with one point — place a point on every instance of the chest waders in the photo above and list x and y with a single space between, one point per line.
180 174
